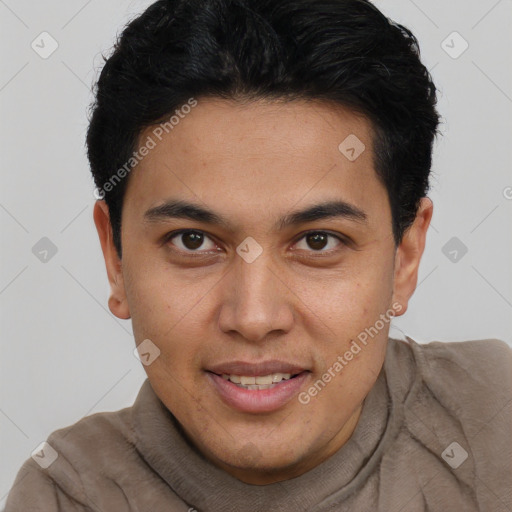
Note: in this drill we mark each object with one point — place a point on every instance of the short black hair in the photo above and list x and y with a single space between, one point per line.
342 51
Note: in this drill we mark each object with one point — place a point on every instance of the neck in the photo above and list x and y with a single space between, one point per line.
266 477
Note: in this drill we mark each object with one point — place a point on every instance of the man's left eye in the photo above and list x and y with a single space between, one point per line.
319 240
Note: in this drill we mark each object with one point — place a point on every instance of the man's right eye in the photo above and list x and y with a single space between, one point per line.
189 241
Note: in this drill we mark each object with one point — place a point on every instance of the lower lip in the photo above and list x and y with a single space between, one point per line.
258 400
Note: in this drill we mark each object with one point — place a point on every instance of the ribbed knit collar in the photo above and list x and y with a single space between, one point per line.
207 488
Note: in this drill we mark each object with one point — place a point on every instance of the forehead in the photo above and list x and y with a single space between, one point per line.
263 128
261 154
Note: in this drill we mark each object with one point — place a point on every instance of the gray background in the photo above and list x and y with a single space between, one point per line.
65 356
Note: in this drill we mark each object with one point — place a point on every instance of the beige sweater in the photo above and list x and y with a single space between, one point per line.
435 434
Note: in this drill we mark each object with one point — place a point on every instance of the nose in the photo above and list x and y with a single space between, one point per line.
257 301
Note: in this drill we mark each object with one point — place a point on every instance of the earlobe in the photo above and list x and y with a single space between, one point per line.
409 253
118 308
117 302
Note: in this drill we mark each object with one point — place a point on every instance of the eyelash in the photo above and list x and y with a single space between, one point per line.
194 254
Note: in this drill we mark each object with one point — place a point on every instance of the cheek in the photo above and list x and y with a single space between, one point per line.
351 311
351 298
168 312
154 295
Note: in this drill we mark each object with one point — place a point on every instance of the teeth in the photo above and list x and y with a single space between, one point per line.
267 379
260 382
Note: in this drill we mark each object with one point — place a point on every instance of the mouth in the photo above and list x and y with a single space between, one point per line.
257 388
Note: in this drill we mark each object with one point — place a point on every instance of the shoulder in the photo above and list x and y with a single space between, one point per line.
481 363
483 352
88 454
101 431
477 368
454 409
469 379
465 386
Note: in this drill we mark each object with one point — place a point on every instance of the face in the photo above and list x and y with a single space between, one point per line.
270 275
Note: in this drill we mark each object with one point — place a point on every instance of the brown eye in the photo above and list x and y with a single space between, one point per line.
191 241
320 241
317 241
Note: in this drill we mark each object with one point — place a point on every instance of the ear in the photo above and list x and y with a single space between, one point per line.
409 253
117 302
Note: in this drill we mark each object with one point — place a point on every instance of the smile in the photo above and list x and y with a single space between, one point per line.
259 382
257 388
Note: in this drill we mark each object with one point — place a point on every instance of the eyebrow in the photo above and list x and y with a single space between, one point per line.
179 209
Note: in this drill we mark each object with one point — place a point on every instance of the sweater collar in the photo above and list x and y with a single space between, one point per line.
203 486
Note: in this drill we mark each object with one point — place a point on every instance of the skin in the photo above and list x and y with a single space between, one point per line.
252 163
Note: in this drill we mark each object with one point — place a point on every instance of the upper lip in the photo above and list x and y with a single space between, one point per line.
255 369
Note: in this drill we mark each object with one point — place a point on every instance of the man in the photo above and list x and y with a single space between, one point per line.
262 170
